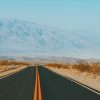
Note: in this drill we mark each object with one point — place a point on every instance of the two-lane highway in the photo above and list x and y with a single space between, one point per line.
39 83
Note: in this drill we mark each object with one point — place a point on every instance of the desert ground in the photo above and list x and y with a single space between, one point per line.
85 73
10 67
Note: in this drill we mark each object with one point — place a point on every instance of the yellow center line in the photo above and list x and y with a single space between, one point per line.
37 91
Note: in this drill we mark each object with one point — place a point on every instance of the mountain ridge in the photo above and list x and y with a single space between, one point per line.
27 37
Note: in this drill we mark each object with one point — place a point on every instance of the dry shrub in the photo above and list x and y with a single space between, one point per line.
65 66
87 67
82 66
6 62
96 67
55 65
6 65
3 62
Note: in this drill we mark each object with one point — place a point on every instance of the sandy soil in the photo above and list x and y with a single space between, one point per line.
7 70
88 79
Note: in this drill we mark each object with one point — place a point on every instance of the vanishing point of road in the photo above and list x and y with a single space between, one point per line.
39 83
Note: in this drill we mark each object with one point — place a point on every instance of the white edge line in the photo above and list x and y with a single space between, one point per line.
75 82
11 74
81 85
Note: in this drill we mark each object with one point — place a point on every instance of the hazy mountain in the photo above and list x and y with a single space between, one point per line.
26 38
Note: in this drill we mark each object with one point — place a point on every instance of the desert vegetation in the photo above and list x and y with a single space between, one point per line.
81 66
87 73
55 65
88 67
6 65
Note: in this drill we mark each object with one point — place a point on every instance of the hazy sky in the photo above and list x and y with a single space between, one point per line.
71 15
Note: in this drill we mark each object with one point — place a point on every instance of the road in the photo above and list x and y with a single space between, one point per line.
19 86
55 87
42 84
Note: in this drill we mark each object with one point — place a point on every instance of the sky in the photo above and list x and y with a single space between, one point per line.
70 15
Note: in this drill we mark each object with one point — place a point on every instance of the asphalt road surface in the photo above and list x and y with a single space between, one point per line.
55 87
21 86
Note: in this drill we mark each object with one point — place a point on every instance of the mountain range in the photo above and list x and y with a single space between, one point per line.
22 38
